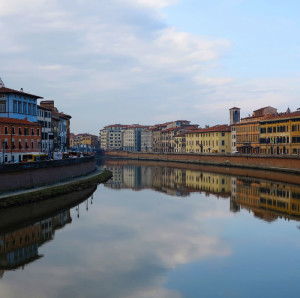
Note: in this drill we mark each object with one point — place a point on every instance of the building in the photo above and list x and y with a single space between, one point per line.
111 137
215 139
248 130
18 137
234 118
60 126
280 134
84 140
17 104
44 119
180 143
146 140
132 137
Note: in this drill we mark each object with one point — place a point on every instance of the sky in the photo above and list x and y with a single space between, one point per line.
152 61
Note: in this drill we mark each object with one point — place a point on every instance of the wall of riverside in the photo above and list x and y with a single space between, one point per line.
288 163
29 175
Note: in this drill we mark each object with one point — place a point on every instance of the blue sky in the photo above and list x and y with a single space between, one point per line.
152 61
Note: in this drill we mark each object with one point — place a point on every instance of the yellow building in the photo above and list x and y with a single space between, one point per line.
85 140
280 134
216 139
180 143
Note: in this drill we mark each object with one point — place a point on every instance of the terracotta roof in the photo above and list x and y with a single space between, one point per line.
17 121
216 128
281 116
5 90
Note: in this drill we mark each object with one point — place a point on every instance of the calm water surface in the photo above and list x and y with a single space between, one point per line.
154 231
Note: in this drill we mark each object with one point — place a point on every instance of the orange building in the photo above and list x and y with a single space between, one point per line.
18 137
248 130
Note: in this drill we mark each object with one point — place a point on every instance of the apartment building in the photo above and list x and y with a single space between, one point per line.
216 139
111 137
60 126
18 137
248 130
44 119
280 134
18 104
132 137
146 140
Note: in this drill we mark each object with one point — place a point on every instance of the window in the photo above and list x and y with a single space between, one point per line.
20 131
5 130
15 106
38 131
19 107
12 130
32 144
32 131
20 144
223 143
24 108
2 106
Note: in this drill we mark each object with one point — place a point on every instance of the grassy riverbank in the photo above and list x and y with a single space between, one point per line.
52 192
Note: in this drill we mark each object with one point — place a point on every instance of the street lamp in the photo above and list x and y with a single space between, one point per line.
3 145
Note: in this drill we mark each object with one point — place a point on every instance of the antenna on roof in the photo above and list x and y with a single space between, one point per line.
1 83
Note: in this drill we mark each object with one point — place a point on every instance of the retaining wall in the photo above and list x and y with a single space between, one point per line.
29 175
278 163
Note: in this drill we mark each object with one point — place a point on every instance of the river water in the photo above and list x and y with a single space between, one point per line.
158 230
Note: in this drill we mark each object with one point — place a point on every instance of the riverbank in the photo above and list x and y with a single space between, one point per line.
51 192
34 174
288 164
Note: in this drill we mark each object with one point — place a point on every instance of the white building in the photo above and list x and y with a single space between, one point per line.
111 137
234 118
44 118
146 140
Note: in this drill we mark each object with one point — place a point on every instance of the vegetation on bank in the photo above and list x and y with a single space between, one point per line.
54 191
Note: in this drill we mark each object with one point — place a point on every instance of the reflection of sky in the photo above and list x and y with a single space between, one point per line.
147 244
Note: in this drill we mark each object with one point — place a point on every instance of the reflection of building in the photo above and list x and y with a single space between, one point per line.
209 182
20 247
268 200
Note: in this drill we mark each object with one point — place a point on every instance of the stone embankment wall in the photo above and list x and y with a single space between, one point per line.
28 175
282 163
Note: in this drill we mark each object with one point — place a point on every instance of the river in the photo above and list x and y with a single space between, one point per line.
160 230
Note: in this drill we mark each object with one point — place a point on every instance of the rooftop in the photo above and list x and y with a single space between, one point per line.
4 90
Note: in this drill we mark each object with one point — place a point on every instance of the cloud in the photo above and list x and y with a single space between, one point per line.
119 55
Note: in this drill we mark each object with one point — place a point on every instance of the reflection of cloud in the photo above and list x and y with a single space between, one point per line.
125 246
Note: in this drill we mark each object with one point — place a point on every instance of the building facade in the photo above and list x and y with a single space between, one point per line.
18 137
44 119
280 134
216 139
18 104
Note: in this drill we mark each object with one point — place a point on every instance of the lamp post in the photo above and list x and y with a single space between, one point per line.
3 144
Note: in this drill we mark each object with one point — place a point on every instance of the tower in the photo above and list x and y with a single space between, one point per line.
234 115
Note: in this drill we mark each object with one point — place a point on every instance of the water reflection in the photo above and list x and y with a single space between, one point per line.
20 246
267 199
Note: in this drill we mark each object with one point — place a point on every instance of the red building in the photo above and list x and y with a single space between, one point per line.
18 137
